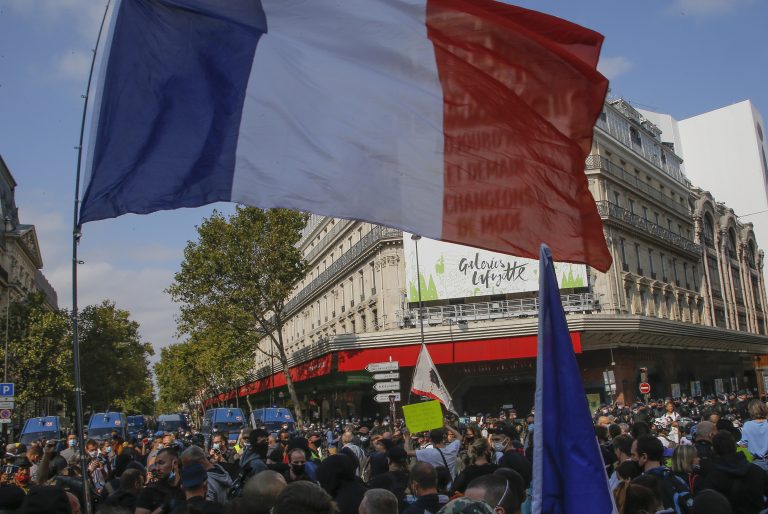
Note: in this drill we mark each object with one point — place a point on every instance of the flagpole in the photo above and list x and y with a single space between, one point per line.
416 239
76 233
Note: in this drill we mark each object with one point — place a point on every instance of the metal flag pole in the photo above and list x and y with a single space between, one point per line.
76 233
416 239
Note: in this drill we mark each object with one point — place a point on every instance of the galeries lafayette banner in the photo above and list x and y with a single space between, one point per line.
454 271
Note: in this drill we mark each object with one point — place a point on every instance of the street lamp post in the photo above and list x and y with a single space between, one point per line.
415 239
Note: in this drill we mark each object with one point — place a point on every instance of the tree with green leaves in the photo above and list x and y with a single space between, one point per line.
190 370
39 352
236 278
114 360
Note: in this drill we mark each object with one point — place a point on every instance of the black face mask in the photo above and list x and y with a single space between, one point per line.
298 469
261 450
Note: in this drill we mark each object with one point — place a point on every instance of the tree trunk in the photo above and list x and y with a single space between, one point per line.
289 381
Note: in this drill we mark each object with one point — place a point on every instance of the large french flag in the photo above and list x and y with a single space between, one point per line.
461 120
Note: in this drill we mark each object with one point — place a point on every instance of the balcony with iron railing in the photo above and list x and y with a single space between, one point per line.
617 125
330 236
368 241
611 211
598 162
504 309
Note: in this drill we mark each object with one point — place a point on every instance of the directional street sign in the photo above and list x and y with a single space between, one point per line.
386 386
5 414
6 405
384 398
375 367
6 390
6 398
395 375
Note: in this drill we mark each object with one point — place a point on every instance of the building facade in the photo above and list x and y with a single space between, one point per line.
725 153
684 300
20 259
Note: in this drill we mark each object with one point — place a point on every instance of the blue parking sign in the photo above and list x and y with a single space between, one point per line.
6 390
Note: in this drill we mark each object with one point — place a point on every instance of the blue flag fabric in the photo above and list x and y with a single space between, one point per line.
568 471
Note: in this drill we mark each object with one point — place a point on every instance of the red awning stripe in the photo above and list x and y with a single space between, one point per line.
478 350
449 353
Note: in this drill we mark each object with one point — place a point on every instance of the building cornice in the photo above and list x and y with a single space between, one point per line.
599 331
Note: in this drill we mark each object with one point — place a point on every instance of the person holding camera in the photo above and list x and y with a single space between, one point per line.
164 493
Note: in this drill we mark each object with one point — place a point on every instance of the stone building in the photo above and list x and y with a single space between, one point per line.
684 299
20 259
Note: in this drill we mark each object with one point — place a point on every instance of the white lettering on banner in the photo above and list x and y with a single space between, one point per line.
449 270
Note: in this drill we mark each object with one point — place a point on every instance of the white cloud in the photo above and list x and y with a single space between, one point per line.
140 292
72 65
707 7
612 67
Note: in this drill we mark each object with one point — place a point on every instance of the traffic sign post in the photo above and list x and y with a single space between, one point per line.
375 367
645 389
7 390
386 386
387 397
387 376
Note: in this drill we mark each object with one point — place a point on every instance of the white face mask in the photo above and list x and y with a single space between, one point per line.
94 453
108 449
160 446
499 446
216 446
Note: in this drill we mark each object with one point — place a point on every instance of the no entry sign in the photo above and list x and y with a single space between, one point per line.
645 388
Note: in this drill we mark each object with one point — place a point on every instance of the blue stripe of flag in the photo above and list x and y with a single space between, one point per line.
568 472
169 113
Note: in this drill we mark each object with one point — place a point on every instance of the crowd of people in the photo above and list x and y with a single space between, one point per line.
682 456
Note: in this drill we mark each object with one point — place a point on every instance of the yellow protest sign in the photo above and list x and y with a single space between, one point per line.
594 402
423 416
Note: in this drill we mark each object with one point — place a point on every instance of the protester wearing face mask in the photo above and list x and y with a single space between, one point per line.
297 461
509 452
95 468
164 491
480 464
71 451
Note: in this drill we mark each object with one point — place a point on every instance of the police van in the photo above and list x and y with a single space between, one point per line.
102 424
273 420
44 428
224 420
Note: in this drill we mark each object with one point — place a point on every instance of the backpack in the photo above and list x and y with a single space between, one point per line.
674 488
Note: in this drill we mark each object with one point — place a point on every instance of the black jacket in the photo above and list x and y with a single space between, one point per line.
427 503
744 484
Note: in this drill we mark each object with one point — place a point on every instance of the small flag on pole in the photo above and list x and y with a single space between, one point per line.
427 381
568 470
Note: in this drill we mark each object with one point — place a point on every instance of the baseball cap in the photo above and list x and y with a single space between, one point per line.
506 430
193 476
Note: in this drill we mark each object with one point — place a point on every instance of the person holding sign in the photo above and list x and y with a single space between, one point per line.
440 454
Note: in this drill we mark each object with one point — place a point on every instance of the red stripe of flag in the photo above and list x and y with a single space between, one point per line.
521 97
